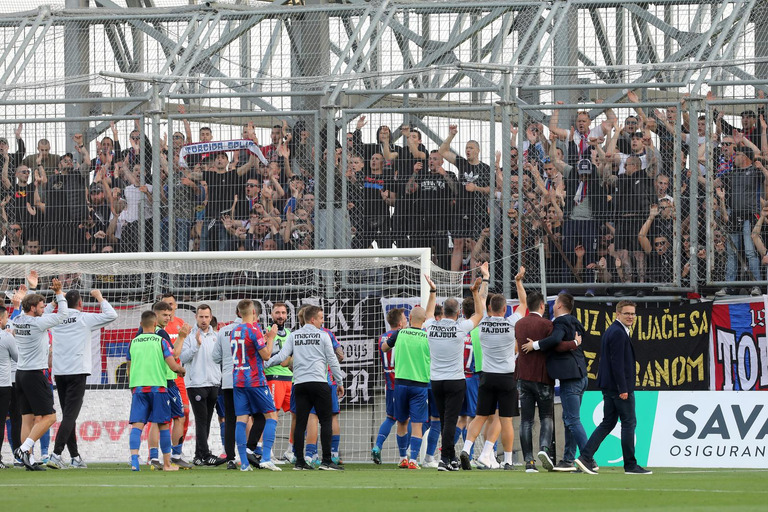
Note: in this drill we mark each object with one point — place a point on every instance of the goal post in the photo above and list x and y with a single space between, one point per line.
354 287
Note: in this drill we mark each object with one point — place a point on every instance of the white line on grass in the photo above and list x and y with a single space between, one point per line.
388 487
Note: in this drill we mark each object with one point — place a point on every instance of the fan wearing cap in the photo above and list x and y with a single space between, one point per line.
585 204
748 120
100 214
744 186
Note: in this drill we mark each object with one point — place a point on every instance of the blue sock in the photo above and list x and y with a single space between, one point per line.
424 427
269 439
165 441
9 437
154 453
176 450
45 443
384 430
240 440
311 450
402 445
415 447
135 463
258 451
434 435
457 435
134 441
495 447
222 430
335 441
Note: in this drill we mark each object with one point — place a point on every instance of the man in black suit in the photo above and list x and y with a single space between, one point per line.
616 378
565 361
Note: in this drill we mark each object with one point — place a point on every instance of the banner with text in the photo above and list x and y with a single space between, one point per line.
688 429
739 348
671 344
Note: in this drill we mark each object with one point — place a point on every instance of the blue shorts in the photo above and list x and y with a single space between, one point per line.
389 400
253 401
433 412
150 407
411 402
469 407
293 401
174 395
334 401
220 405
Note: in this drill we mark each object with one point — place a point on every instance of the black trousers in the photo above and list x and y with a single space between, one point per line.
15 414
203 402
317 395
449 395
5 405
71 390
230 420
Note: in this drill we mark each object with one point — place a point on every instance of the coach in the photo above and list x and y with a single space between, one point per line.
616 378
202 380
313 354
71 367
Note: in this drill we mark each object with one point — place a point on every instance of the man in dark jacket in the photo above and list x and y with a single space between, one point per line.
616 378
565 361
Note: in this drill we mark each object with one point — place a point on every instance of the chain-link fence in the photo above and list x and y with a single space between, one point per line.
594 143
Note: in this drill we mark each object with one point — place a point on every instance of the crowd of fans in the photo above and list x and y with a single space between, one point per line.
601 196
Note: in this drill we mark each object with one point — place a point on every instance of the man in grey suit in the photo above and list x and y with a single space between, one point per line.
616 378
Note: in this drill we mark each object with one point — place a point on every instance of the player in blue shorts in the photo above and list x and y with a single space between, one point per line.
396 320
149 358
250 348
412 361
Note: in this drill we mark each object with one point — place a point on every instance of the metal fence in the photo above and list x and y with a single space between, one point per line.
490 109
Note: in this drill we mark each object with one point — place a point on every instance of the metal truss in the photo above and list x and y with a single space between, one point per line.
427 50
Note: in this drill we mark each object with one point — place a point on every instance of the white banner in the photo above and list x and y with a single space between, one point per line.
220 146
709 429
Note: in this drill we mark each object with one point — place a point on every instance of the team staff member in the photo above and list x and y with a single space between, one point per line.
72 366
9 354
149 359
616 378
446 349
34 391
497 381
202 380
313 354
411 383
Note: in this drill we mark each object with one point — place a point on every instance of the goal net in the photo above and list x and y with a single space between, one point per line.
354 287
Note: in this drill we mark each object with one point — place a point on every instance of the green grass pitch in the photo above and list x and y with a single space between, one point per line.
113 487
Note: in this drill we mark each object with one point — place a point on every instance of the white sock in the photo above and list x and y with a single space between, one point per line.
429 458
487 449
249 451
507 457
27 445
467 445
